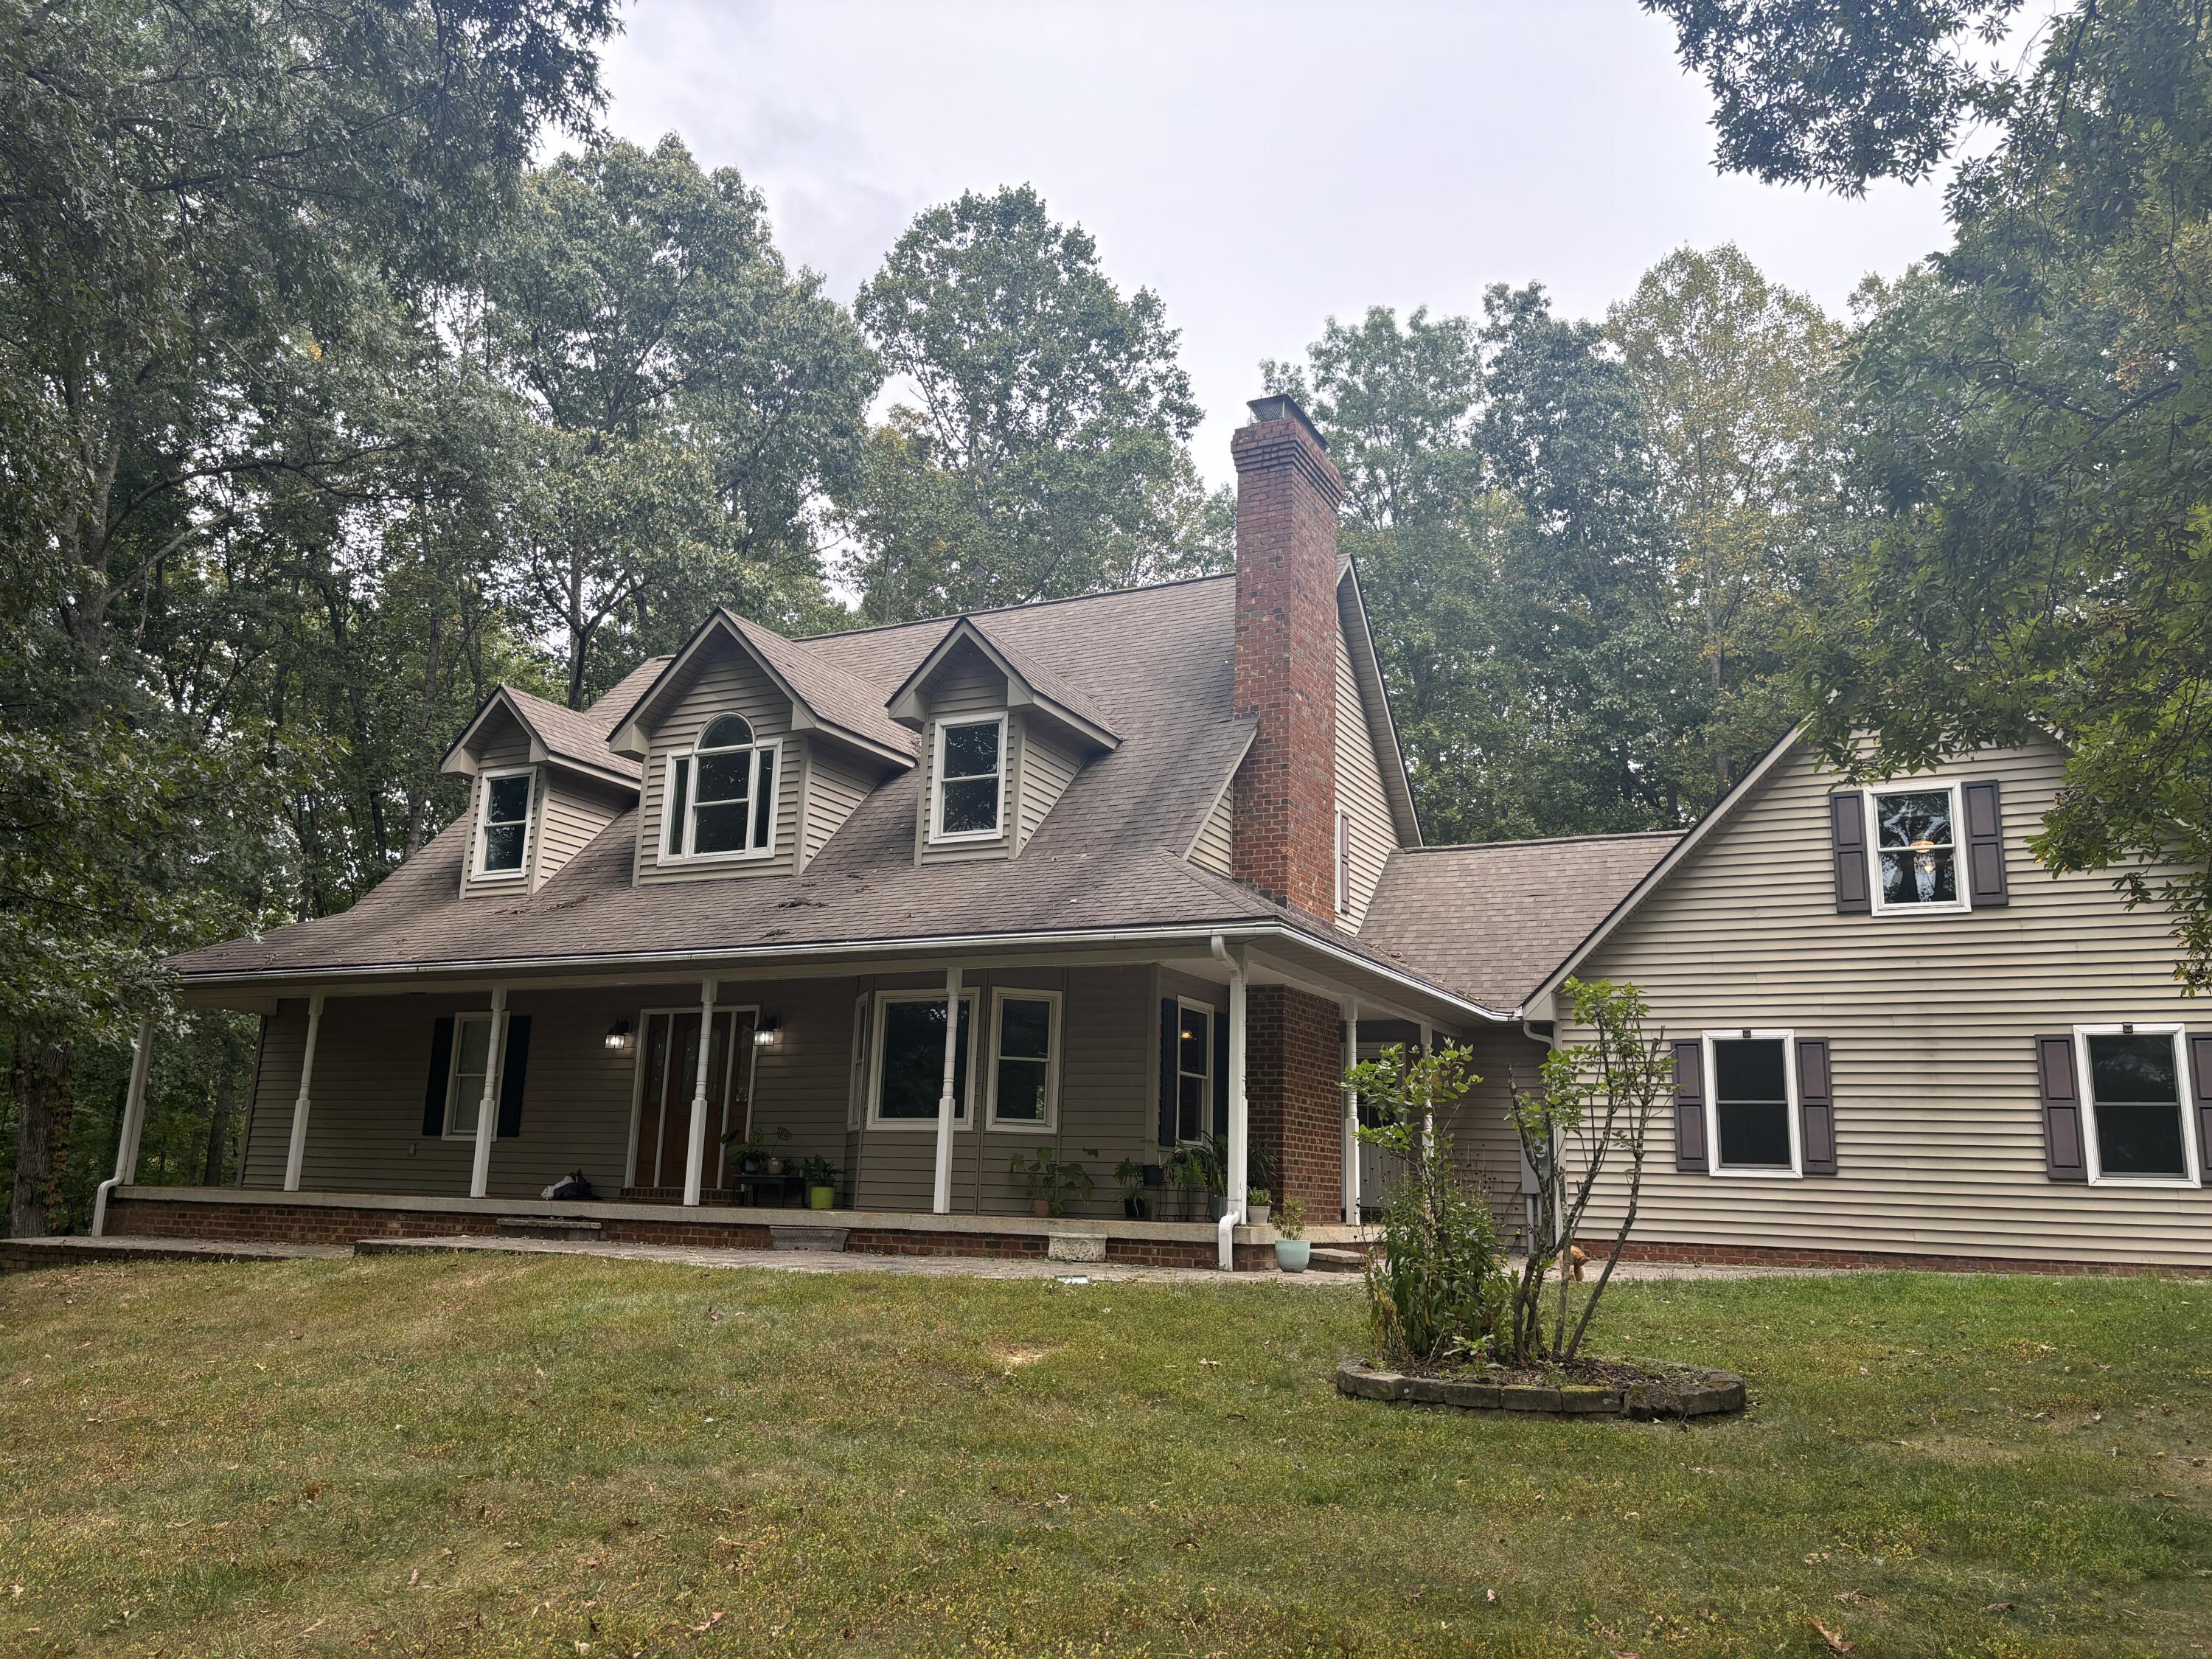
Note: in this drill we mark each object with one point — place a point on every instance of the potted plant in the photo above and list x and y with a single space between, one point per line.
1293 1251
1051 1180
820 1176
776 1159
1257 1201
1131 1175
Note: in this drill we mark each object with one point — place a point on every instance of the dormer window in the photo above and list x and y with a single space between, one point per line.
503 823
971 767
721 796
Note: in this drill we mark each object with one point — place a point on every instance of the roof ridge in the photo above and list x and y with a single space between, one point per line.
951 617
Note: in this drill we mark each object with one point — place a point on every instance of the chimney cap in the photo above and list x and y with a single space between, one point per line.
1281 406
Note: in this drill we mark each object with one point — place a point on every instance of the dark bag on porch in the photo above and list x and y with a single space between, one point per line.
570 1186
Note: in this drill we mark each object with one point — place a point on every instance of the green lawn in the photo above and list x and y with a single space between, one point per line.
530 1456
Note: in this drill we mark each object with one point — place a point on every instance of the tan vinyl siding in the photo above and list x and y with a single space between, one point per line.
966 685
835 787
1214 849
728 682
507 749
1359 787
571 813
1048 766
1931 1019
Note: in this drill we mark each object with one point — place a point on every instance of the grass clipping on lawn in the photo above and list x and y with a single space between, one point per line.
572 1455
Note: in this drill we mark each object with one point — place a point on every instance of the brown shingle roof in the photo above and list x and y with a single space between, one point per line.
1492 921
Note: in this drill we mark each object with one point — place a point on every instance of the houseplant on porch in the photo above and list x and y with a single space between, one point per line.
820 1176
1052 1180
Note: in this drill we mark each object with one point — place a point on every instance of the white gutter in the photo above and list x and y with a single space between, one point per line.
134 1119
1240 1118
463 967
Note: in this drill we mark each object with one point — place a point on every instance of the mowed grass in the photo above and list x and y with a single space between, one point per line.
572 1455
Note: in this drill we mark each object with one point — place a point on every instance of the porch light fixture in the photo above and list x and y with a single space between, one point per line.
618 1036
768 1034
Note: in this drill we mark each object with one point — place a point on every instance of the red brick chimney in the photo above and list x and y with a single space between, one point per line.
1287 566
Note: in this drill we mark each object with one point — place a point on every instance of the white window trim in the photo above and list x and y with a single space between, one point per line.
938 835
743 855
1049 1123
1965 902
2182 1104
1205 1106
640 1049
453 1077
1756 1172
961 1124
484 781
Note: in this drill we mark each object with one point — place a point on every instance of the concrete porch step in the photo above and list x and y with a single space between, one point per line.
1337 1261
806 1236
547 1226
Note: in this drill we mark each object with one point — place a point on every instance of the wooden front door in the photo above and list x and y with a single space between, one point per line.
670 1058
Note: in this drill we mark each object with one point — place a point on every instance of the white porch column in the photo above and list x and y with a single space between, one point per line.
488 1107
1240 1116
695 1150
940 1201
297 1153
1351 1154
134 1119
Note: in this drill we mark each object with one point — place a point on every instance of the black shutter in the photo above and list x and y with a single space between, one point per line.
1170 1034
1690 1107
2200 1064
1220 1074
1816 1107
2062 1154
1847 827
442 1062
1985 860
512 1070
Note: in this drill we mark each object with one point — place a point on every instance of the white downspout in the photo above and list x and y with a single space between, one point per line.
488 1103
940 1202
1232 1212
694 1144
296 1155
1349 1172
134 1119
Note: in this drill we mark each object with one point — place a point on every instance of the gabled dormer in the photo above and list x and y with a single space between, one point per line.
542 784
1002 738
753 754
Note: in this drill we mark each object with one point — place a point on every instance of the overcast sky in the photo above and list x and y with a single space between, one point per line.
1262 166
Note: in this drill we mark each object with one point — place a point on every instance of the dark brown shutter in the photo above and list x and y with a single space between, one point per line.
512 1070
1847 827
442 1062
2063 1157
1220 1075
1170 1069
1690 1107
2200 1064
1816 1107
1986 860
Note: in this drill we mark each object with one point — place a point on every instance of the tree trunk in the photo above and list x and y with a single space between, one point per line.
40 1079
219 1116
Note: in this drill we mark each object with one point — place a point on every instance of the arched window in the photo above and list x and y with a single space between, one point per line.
721 796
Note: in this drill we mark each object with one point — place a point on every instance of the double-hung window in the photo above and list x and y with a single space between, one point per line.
1193 1070
1025 1059
1752 1102
1915 837
969 803
721 797
909 1051
503 823
464 1078
2138 1130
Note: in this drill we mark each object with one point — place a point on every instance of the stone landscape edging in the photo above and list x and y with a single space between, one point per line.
1679 1391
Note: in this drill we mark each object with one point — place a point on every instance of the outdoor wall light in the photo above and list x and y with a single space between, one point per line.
768 1034
618 1036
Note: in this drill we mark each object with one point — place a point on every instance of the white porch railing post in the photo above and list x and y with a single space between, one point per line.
1350 1173
488 1107
941 1201
1240 1114
695 1148
134 1119
296 1154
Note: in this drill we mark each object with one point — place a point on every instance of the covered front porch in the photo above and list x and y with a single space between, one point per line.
1104 1102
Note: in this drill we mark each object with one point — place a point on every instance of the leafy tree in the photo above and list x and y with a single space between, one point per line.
690 403
1045 450
1734 373
2026 416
